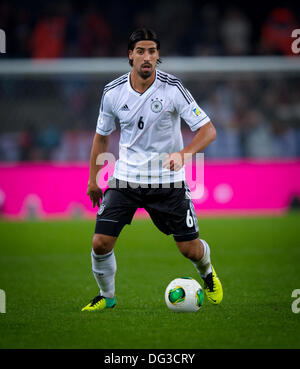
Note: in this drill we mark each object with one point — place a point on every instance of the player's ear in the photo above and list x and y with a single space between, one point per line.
130 54
157 58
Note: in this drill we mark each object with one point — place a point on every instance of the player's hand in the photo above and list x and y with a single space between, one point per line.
95 193
174 161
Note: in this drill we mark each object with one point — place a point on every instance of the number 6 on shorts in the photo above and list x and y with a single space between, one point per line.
189 219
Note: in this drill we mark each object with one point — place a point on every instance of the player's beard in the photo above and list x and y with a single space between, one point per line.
147 73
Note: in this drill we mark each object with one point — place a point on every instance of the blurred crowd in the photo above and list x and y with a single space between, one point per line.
255 117
55 119
66 28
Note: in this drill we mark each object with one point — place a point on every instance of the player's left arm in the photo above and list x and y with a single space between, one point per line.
203 137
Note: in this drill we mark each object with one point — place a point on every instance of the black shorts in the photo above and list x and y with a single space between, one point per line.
171 209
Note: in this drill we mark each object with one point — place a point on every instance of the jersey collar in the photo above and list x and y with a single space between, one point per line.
131 89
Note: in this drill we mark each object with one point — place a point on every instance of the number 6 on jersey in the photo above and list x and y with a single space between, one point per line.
141 123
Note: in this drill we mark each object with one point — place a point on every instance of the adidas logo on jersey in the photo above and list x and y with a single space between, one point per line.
125 108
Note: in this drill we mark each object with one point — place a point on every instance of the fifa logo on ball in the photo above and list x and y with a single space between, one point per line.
184 294
2 42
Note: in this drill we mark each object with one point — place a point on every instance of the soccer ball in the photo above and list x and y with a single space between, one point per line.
184 295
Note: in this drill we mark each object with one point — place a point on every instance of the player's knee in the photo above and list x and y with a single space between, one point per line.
103 244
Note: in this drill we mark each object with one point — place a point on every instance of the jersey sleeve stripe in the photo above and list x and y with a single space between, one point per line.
116 80
189 94
170 78
166 78
108 89
101 103
114 83
163 75
199 121
104 130
178 86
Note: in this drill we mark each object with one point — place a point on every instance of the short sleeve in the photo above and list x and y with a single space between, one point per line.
106 119
189 110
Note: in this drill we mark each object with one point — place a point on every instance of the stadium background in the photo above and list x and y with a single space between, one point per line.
47 124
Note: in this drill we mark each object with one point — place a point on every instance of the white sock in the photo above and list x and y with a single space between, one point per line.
104 269
203 265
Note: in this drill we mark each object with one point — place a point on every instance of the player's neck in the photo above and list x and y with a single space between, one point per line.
140 84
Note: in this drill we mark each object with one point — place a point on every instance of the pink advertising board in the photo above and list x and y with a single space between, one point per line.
58 190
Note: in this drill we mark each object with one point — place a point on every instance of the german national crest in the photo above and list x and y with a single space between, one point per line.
156 105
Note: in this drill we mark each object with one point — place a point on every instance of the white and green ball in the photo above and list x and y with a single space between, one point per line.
184 295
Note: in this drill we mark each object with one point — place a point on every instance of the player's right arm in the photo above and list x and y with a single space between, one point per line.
100 146
105 126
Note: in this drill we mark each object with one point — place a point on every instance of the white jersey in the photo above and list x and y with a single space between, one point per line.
150 126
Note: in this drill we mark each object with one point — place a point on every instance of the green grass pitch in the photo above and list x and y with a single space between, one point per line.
46 274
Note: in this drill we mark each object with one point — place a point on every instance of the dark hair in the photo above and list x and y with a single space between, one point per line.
142 34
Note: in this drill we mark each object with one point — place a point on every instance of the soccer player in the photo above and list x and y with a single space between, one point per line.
149 173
